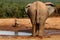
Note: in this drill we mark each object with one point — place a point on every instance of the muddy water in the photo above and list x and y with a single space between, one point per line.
13 33
47 32
52 32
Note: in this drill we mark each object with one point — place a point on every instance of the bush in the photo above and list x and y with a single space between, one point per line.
8 10
14 8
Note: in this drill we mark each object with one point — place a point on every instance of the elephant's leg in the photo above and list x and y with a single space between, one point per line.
37 28
41 28
34 30
33 27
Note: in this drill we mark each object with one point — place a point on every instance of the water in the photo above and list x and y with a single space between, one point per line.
24 34
47 32
13 33
7 33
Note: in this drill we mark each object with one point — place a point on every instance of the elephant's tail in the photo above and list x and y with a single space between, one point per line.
37 12
37 16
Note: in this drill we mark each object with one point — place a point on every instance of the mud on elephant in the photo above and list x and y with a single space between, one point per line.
38 12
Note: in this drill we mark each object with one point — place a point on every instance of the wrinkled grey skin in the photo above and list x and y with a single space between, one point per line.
38 12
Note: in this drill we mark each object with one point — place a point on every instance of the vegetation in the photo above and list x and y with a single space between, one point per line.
14 8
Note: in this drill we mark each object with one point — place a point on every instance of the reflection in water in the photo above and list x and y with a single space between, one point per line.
7 33
47 32
24 34
13 33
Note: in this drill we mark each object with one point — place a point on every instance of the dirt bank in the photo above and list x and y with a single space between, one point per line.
8 23
25 25
52 37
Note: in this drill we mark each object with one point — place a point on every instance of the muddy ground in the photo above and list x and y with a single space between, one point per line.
25 24
52 23
52 37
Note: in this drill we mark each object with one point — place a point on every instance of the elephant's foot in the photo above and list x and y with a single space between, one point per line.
48 36
40 35
44 36
34 35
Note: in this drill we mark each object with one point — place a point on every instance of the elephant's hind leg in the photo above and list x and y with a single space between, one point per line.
37 28
41 29
34 30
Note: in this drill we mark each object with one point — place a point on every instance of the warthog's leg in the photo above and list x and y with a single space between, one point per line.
15 24
16 33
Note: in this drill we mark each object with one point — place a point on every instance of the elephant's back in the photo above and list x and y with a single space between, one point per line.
38 5
41 7
32 7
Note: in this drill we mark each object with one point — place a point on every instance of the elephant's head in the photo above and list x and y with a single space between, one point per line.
51 7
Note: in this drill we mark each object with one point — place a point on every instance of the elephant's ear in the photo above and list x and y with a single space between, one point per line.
26 7
51 7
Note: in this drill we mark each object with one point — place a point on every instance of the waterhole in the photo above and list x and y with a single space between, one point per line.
47 32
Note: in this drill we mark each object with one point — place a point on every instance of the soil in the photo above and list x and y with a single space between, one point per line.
25 24
52 23
52 37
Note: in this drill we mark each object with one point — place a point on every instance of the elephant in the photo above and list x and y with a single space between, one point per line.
38 12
